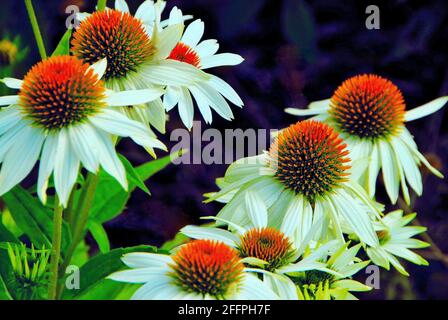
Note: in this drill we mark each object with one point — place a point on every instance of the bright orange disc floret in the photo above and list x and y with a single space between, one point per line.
115 35
185 53
309 158
207 267
60 91
268 244
368 106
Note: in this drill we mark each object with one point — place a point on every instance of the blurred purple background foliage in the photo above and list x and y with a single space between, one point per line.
296 51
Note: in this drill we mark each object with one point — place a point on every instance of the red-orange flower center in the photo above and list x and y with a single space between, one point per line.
115 35
368 106
268 244
309 158
207 267
60 91
185 53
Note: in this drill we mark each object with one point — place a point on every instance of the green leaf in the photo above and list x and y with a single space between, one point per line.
110 198
100 236
98 268
132 175
108 289
6 274
33 218
63 47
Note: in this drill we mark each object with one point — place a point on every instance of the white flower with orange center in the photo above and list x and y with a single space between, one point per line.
201 269
370 114
64 114
208 94
304 177
137 49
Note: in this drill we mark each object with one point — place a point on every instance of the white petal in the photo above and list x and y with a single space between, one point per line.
121 5
171 97
157 290
216 101
173 73
193 33
186 109
156 114
21 157
99 67
85 144
8 100
256 208
390 172
426 109
373 170
109 160
293 216
226 90
66 168
207 48
146 12
146 260
205 233
46 165
221 59
255 289
12 83
203 105
132 97
305 112
9 117
411 170
140 275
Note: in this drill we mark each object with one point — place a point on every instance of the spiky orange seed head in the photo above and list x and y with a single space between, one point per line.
185 53
207 267
309 158
368 106
60 91
268 244
117 36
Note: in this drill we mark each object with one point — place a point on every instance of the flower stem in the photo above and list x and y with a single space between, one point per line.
101 5
55 249
83 208
36 30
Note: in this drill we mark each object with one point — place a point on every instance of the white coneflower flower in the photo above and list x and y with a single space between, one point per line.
396 238
137 49
304 177
369 113
260 245
201 269
208 94
64 113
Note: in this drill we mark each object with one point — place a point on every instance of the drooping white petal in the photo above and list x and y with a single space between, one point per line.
121 5
207 48
305 112
132 97
99 67
173 73
8 100
156 114
140 275
186 109
21 157
85 144
426 109
254 289
205 233
390 172
221 59
226 90
150 290
216 101
193 33
175 17
293 216
9 117
203 105
373 170
66 167
46 165
12 83
411 170
116 123
171 97
256 208
108 158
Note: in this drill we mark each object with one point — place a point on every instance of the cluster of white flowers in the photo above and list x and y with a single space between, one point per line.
295 217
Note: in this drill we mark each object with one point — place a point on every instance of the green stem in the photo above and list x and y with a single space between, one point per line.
36 30
78 231
55 249
101 5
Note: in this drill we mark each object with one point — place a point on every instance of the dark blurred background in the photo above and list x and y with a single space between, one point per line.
296 51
